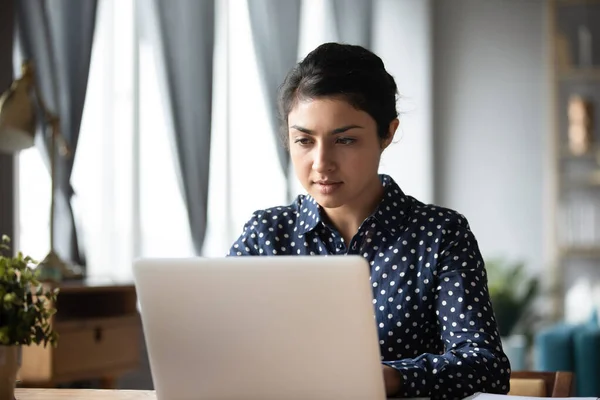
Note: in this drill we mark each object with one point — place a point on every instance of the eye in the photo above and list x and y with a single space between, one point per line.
345 141
302 141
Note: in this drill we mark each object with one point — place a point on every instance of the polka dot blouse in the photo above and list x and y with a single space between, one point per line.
436 325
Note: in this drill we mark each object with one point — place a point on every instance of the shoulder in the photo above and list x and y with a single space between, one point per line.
269 231
275 218
415 216
443 219
446 230
273 222
456 247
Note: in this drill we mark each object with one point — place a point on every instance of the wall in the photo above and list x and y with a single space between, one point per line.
403 39
491 91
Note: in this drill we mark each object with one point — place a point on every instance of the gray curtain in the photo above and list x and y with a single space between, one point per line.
7 183
186 40
275 30
57 36
353 19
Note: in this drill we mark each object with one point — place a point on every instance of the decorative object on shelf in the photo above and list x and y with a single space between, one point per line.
584 41
580 221
564 61
580 113
25 313
17 132
512 292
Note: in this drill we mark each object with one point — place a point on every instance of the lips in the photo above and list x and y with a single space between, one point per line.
328 186
327 182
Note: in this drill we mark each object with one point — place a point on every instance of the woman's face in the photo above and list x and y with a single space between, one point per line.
335 151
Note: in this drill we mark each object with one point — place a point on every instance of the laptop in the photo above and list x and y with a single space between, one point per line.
268 328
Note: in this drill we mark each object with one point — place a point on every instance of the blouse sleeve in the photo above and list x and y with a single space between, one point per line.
473 359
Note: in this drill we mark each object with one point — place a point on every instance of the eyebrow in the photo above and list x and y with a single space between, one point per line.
333 132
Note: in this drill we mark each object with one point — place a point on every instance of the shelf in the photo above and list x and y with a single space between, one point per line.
563 3
592 154
581 251
579 74
575 199
592 180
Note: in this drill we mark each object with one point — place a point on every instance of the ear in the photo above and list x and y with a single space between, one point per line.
391 132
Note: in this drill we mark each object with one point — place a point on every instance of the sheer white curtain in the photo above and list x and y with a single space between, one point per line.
32 233
126 175
245 173
33 205
103 170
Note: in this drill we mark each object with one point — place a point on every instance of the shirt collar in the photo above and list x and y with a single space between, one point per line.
392 208
389 213
309 214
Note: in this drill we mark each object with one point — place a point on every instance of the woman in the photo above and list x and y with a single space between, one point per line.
438 336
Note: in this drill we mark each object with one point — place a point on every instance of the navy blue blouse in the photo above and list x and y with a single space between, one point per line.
436 324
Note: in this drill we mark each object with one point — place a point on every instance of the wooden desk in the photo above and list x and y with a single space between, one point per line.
66 394
99 332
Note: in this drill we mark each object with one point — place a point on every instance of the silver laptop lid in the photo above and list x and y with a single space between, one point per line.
260 328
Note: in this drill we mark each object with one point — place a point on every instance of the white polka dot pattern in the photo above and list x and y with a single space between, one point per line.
435 320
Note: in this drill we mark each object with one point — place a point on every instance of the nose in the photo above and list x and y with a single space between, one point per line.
324 160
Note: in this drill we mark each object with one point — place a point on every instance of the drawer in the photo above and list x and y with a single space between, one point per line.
97 346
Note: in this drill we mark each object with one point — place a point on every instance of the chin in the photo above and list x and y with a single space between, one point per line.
329 201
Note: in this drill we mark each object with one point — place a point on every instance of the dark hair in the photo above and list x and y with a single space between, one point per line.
341 70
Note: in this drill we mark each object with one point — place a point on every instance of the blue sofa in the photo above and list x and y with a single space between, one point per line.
574 348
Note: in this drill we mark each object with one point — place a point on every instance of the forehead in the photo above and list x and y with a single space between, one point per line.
326 112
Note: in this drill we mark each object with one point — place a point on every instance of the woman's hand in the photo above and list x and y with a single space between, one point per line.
392 379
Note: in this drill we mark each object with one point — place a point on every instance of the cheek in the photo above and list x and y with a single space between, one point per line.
300 159
361 159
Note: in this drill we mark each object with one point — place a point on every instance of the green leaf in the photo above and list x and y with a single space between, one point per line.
511 291
24 317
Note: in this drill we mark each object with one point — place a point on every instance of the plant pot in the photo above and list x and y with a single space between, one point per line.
9 368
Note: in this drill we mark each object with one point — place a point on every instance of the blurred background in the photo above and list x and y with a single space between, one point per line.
169 109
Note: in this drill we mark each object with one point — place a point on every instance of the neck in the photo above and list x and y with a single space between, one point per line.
349 217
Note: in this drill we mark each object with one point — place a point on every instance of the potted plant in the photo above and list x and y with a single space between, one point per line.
512 293
26 308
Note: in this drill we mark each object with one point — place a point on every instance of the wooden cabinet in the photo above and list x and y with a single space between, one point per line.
99 336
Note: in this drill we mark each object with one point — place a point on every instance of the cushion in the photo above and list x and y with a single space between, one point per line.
554 348
586 348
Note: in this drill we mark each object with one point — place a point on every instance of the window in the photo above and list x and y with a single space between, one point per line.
34 204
